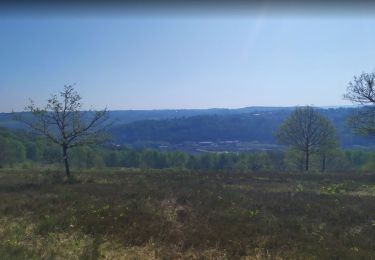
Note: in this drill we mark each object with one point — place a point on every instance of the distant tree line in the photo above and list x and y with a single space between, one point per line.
22 150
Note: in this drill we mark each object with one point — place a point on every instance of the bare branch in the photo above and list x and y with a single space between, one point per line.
63 122
361 89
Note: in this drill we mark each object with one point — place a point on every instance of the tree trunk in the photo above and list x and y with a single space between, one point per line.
66 161
307 160
324 157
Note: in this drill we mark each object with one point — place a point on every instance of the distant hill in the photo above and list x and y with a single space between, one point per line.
120 117
258 125
250 124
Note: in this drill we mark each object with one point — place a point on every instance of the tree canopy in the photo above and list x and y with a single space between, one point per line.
307 131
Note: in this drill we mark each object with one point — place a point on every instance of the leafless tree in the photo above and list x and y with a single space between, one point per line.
63 122
307 131
361 91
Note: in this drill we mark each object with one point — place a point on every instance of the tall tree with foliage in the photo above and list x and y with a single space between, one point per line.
63 122
328 149
308 131
361 91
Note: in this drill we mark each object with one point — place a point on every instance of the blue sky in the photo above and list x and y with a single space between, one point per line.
150 62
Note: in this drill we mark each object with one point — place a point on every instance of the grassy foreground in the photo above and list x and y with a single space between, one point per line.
134 214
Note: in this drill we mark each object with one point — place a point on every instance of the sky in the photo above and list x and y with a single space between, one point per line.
173 62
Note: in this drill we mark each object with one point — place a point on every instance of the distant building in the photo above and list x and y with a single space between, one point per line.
206 143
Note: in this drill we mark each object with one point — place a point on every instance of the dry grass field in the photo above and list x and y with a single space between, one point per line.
171 214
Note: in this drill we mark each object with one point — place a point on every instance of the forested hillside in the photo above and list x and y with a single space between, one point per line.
119 117
258 126
252 124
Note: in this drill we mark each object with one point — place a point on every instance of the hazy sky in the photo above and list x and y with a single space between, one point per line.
142 62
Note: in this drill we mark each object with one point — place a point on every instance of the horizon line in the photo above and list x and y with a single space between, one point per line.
211 108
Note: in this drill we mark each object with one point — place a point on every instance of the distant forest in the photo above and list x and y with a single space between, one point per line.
253 124
20 148
258 126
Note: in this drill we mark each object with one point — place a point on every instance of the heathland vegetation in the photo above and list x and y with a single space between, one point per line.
179 214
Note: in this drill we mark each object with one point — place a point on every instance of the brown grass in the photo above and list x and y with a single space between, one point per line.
149 214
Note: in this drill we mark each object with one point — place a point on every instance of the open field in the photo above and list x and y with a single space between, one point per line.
169 214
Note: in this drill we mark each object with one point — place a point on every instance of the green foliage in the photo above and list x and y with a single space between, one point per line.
51 154
21 150
294 160
34 151
308 131
86 157
334 188
11 152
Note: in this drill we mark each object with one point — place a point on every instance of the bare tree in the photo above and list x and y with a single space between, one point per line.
307 131
361 91
63 122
